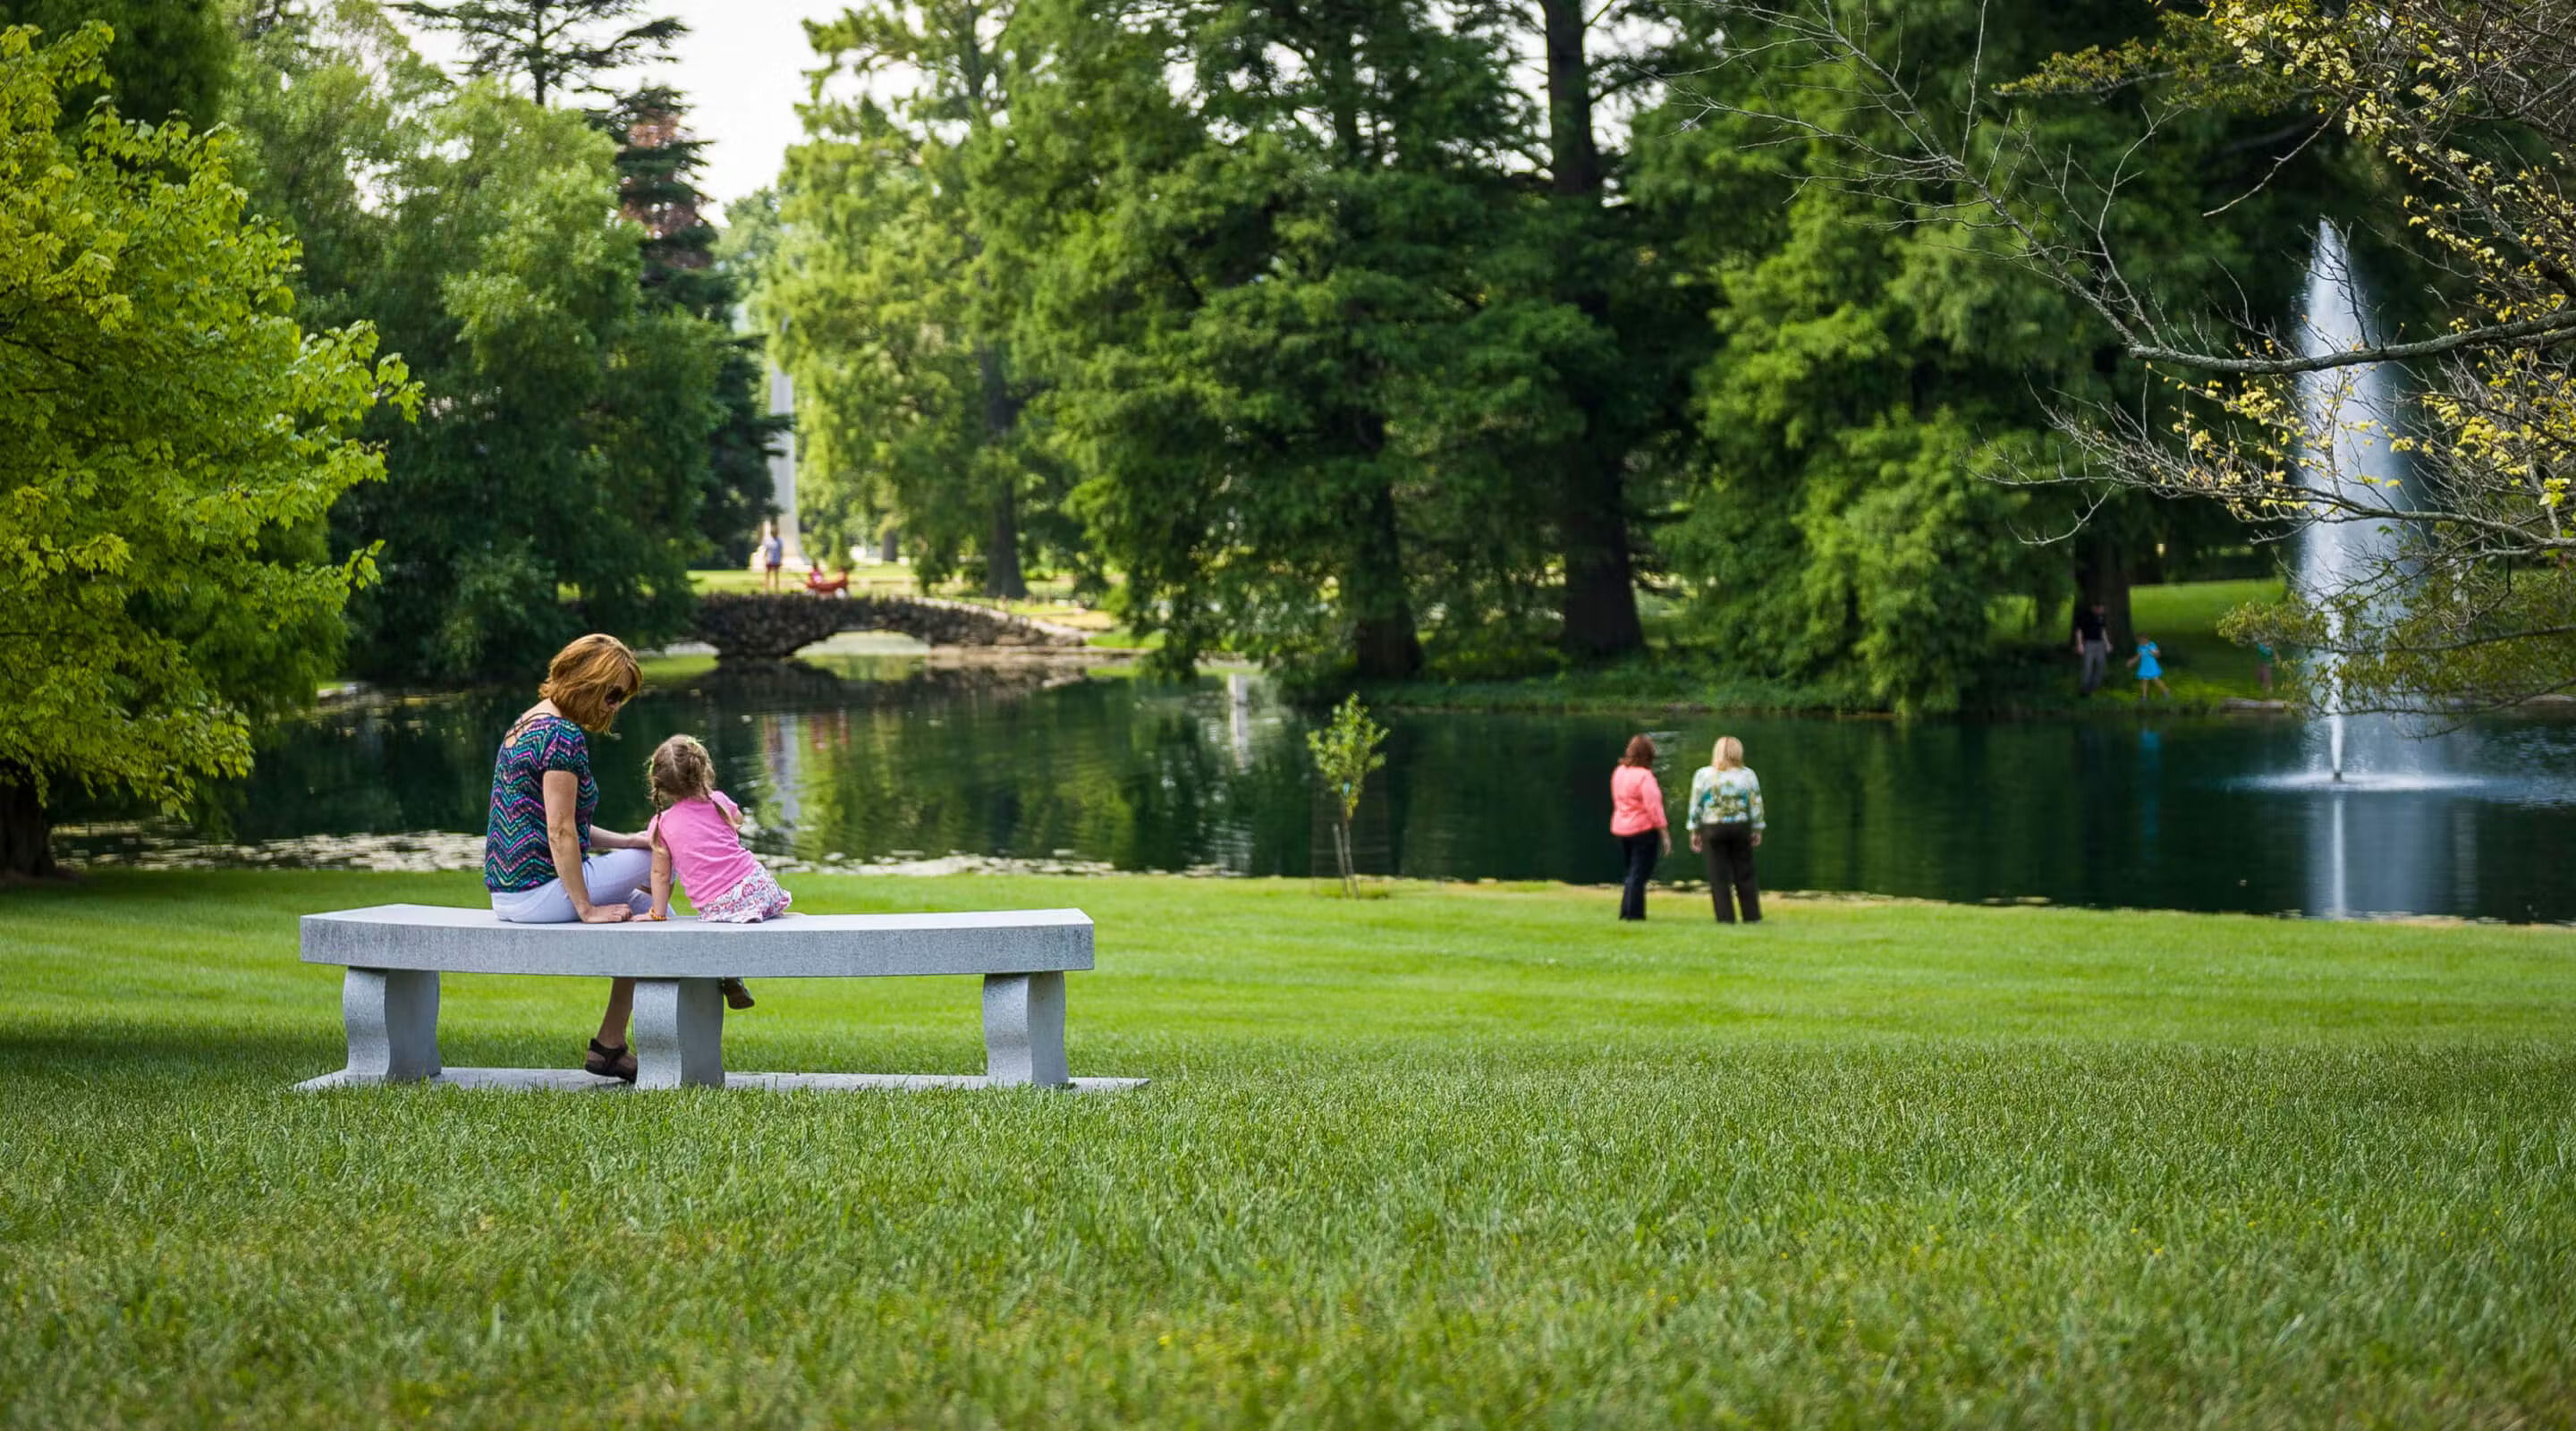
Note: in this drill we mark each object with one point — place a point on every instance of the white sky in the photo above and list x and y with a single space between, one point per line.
742 68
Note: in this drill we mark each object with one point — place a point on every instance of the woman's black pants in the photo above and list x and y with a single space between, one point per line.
1729 852
1641 850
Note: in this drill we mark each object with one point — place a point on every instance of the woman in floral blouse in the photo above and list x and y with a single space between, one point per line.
1726 823
544 862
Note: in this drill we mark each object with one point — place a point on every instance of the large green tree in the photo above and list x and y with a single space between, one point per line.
554 482
1886 367
1626 333
892 305
1263 296
170 442
562 471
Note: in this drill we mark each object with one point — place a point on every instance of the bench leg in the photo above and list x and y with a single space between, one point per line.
1024 1029
679 1033
392 1018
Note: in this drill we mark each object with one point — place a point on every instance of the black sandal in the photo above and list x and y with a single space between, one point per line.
605 1062
737 995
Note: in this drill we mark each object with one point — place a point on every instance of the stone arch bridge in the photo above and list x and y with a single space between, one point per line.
765 626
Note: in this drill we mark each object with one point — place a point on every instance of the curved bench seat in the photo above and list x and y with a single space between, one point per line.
394 954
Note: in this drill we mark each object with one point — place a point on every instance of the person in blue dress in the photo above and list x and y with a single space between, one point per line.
2151 672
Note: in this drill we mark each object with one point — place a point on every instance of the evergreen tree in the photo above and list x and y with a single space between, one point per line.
556 45
657 163
1622 371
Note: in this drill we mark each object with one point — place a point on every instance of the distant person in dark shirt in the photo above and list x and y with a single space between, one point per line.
2093 643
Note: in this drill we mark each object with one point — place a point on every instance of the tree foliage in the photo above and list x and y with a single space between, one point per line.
1886 360
2447 114
892 306
172 440
553 484
560 474
557 46
1345 752
171 59
658 160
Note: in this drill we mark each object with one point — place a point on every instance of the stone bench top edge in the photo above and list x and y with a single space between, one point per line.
465 940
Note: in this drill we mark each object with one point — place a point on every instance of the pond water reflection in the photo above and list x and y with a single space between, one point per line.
872 761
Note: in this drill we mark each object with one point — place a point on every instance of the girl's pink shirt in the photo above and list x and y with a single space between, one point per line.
1636 801
706 853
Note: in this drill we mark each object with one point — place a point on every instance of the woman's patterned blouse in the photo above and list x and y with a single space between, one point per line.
1725 797
515 853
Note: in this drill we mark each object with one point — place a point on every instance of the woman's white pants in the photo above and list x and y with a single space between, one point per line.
612 877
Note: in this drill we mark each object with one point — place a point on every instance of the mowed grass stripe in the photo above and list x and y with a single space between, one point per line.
1459 1156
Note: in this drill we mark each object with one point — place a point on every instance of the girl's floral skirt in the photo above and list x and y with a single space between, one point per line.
755 898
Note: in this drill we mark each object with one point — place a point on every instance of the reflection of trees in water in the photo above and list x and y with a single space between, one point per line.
1020 759
988 759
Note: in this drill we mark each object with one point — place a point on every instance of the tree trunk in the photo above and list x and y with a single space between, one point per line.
26 834
2102 574
1598 616
1002 576
1572 154
1384 643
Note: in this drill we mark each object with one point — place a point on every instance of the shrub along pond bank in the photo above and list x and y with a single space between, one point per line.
1463 1154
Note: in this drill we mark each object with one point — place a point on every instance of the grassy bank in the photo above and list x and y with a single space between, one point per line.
2034 671
1460 1156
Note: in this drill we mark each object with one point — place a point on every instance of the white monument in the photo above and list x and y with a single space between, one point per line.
782 474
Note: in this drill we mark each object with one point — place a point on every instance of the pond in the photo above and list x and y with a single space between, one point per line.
912 763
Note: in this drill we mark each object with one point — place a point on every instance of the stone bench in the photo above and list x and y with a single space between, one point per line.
394 954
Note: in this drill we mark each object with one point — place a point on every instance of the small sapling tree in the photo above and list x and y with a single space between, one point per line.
1345 752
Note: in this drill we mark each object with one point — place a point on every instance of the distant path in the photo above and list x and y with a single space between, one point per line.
771 627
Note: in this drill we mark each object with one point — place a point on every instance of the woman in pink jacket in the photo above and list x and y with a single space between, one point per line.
1637 818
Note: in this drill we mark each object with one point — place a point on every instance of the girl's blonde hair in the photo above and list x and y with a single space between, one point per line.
589 679
679 770
1727 754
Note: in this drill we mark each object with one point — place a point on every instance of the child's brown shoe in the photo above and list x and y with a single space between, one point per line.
737 995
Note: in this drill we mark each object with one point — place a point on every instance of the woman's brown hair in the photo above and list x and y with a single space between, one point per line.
679 770
589 679
1641 751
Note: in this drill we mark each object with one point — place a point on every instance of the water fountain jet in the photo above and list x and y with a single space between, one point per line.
2348 414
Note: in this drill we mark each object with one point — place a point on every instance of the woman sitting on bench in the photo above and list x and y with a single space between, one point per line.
538 851
815 582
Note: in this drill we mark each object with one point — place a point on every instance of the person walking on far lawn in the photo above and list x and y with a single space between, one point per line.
2093 643
1726 823
698 837
1637 818
773 554
2151 672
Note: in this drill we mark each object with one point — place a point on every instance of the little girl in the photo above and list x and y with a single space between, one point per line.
2151 672
698 836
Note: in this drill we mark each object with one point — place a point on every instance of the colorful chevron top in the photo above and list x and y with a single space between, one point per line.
515 854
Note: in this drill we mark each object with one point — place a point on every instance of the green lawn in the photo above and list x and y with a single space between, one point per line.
2182 618
1462 1156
